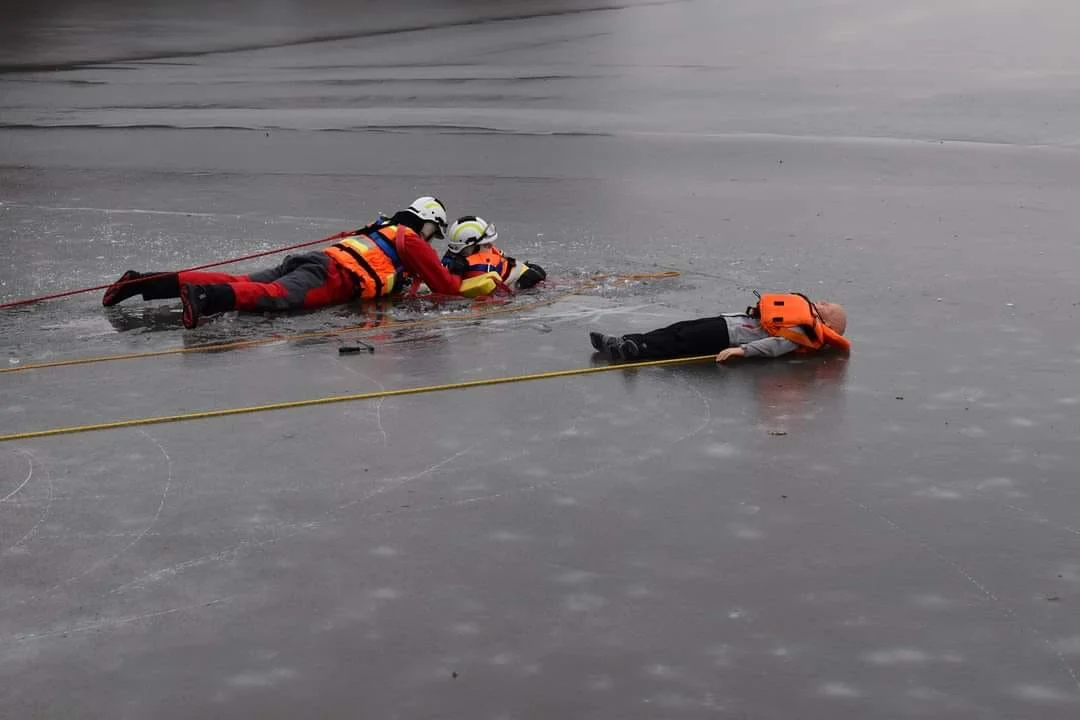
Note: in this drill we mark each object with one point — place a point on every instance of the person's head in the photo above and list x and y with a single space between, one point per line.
426 216
833 315
469 233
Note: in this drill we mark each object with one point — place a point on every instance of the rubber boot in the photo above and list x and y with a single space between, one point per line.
152 286
606 344
201 300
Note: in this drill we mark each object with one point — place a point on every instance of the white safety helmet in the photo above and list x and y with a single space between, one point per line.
470 231
430 209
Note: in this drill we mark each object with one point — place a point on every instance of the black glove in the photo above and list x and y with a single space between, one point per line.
532 275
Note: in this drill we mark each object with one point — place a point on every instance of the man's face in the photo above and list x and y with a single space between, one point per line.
427 230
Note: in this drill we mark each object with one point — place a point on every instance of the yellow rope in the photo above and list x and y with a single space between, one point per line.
346 398
356 329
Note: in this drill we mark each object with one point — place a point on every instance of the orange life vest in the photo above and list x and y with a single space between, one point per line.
793 317
373 259
488 259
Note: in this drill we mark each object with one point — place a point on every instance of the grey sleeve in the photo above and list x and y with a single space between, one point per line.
769 347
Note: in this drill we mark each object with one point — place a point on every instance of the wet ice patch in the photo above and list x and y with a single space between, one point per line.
384 551
503 659
385 593
465 629
1070 573
839 690
964 394
583 602
472 486
720 654
508 536
659 670
897 656
914 480
1068 646
721 450
994 483
672 701
745 532
1040 693
1022 422
449 445
261 679
258 519
930 601
938 493
574 577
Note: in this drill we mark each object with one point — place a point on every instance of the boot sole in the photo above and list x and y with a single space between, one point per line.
190 315
110 299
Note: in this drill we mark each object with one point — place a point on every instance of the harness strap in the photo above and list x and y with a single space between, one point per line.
359 258
386 247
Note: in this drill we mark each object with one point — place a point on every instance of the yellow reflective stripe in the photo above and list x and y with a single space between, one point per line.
384 271
473 224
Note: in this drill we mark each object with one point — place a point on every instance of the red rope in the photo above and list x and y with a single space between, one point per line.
54 296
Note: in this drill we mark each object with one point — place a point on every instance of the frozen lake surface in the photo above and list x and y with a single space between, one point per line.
890 535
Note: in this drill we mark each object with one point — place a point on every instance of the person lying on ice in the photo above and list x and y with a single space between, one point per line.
471 252
376 261
777 325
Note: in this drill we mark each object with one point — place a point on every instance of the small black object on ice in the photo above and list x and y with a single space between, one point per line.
353 349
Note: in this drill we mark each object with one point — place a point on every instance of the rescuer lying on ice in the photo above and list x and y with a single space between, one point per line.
377 261
471 252
777 325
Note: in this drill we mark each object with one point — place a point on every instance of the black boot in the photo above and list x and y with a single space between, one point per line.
199 300
606 344
630 347
152 286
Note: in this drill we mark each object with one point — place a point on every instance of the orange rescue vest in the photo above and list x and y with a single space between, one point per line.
793 317
372 258
488 259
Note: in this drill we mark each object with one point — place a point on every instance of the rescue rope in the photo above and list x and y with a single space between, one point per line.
311 402
349 330
252 256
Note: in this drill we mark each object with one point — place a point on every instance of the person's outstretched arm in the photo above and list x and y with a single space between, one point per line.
765 347
420 259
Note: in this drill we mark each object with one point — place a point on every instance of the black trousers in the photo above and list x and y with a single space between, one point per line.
688 338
